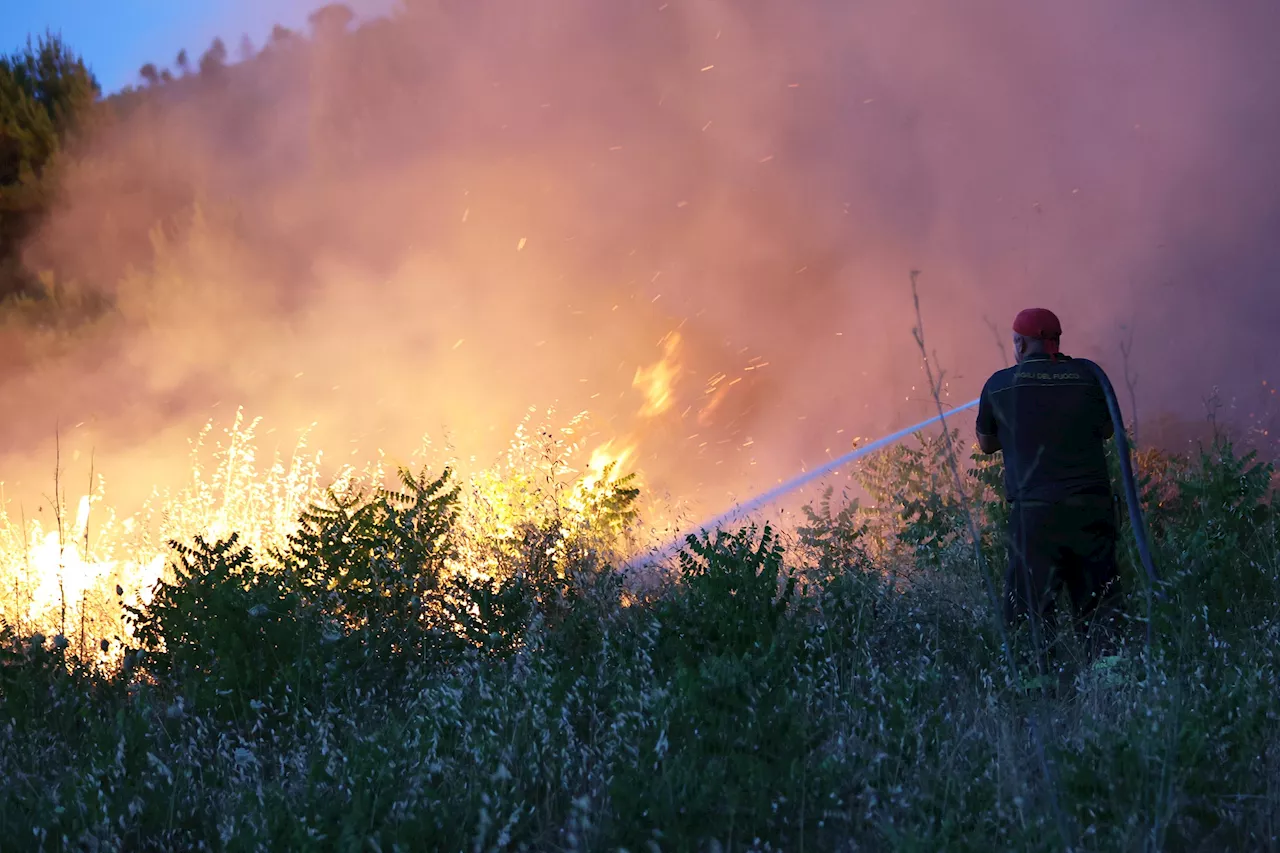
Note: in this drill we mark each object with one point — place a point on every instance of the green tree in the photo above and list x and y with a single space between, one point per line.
46 92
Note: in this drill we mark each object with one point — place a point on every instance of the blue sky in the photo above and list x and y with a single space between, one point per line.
117 37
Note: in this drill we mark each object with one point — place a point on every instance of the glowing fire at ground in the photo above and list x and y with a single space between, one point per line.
64 574
72 580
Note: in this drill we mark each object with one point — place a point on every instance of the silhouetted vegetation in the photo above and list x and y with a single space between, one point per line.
46 96
50 105
838 686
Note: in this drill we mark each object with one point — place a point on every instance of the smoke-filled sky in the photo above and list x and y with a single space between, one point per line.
485 207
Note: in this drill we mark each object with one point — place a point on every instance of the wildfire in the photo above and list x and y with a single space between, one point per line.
658 382
715 392
604 456
72 579
65 575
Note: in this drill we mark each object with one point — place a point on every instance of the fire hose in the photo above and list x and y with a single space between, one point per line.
1129 481
1122 449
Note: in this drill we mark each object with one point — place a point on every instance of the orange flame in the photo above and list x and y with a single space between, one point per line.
604 456
658 382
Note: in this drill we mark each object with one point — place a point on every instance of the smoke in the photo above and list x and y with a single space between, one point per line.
444 218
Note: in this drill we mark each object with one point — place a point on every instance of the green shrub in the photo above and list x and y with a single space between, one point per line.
1218 535
370 562
226 632
737 739
734 598
354 690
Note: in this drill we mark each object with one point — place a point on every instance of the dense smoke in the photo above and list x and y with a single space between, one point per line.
429 224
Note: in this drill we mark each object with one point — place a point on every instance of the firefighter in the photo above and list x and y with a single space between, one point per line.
1049 417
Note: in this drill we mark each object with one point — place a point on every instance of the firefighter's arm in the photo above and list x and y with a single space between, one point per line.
988 432
989 443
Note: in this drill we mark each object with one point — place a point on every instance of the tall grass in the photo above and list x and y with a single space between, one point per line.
430 662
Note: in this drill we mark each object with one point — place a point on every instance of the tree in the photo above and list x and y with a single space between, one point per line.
184 61
214 59
46 94
246 51
281 39
150 74
331 20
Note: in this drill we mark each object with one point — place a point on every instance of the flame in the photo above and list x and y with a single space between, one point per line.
71 580
65 575
604 456
716 397
658 382
67 581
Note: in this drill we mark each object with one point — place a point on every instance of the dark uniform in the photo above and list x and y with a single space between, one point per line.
1051 418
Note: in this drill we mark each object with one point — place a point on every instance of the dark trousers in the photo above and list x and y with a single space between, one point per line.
1071 543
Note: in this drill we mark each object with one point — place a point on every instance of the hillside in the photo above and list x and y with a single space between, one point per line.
459 664
346 387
